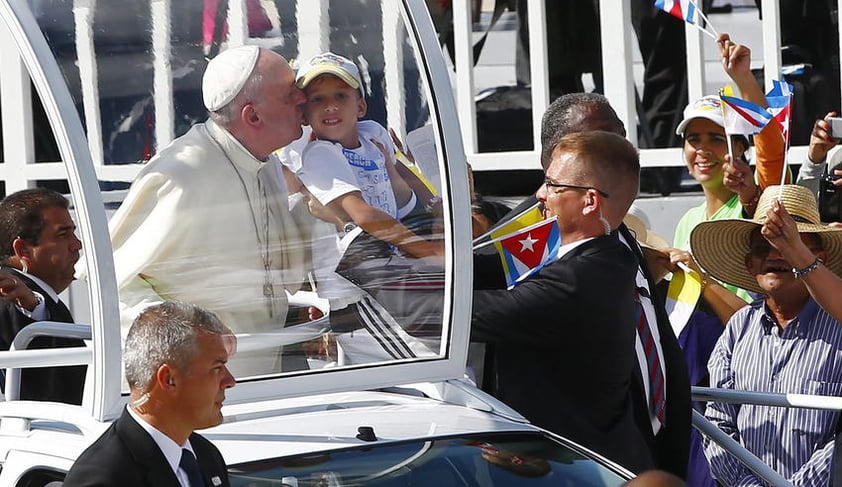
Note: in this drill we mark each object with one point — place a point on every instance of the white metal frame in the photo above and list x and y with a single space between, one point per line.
82 170
619 87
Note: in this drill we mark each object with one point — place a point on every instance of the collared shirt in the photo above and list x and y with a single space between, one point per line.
756 354
170 449
564 249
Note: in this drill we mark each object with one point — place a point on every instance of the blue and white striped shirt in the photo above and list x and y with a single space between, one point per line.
755 354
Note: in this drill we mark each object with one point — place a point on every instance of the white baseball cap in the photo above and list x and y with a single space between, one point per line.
226 74
328 63
705 107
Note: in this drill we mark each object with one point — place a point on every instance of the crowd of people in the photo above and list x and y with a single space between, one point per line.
589 329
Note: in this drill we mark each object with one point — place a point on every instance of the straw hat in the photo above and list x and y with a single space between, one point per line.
720 246
650 242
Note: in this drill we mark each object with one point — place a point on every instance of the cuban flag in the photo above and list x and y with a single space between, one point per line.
779 100
526 251
683 9
743 117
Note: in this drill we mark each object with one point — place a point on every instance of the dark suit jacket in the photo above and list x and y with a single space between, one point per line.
671 447
564 347
61 384
126 456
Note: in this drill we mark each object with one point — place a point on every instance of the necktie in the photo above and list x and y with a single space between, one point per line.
190 466
657 398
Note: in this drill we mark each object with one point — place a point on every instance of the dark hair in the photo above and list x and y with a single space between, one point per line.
21 216
559 119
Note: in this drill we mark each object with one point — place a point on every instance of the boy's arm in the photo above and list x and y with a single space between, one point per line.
380 224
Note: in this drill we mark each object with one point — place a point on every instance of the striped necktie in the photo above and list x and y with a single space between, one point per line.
657 397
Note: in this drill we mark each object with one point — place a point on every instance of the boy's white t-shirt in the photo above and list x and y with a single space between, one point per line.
329 170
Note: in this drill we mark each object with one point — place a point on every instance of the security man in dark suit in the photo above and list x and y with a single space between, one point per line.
175 359
38 252
564 336
667 442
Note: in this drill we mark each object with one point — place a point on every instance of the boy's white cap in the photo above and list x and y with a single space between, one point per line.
705 107
226 74
328 63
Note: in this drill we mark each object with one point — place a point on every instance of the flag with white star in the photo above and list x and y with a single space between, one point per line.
528 250
779 100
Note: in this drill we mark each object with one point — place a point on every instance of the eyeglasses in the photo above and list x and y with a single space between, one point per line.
552 184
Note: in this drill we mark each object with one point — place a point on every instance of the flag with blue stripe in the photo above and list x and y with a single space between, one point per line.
683 9
779 99
743 117
526 251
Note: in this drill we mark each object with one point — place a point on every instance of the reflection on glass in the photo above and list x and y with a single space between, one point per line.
475 461
209 222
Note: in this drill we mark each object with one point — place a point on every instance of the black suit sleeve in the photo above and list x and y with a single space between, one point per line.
576 289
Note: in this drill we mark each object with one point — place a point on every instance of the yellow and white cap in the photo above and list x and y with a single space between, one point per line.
328 63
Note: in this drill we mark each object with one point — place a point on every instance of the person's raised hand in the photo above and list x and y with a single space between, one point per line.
820 140
15 291
781 231
735 58
738 177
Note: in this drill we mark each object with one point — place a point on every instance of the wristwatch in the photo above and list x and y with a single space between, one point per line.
349 227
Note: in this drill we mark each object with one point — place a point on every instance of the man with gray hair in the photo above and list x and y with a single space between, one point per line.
175 359
208 220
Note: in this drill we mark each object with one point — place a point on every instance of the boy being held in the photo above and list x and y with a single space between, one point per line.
349 165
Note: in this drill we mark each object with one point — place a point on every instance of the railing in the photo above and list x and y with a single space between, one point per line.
40 329
617 60
761 399
19 169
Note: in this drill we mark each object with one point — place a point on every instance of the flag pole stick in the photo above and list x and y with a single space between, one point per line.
713 35
727 135
786 150
485 244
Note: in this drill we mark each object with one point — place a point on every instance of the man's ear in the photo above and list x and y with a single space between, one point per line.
592 205
21 248
249 115
165 378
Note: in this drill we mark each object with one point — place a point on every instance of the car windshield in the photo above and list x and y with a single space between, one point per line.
470 461
303 287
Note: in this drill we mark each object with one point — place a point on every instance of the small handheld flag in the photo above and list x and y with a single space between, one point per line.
684 291
779 100
529 216
684 10
526 251
687 11
743 117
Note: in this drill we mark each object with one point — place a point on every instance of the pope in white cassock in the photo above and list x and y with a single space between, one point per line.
208 220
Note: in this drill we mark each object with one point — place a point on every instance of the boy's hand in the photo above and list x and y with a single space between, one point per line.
399 146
